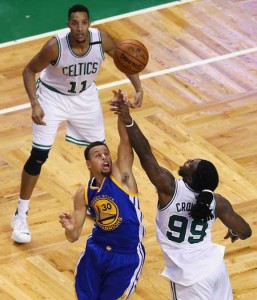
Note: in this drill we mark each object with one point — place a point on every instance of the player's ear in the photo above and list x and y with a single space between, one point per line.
189 179
88 164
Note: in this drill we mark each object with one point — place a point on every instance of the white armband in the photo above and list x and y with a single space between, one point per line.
130 125
232 233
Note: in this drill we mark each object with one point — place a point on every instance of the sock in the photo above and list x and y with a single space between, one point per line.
23 207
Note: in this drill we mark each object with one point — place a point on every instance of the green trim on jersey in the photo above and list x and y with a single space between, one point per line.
42 147
53 89
101 45
78 142
59 52
173 197
57 91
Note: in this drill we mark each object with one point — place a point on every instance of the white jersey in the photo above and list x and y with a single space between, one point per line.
189 252
73 74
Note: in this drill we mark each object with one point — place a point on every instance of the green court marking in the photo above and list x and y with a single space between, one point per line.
20 19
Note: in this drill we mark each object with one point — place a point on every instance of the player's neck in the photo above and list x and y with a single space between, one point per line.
98 181
79 47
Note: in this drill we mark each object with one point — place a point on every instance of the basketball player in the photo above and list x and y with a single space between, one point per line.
187 209
65 91
110 266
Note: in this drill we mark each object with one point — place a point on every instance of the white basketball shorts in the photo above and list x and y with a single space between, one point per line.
215 286
82 114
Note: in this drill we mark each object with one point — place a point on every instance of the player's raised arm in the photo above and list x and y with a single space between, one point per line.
130 57
122 168
160 177
238 228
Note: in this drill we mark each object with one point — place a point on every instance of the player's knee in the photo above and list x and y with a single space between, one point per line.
37 158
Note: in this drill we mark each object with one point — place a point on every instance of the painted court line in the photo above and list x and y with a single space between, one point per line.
118 17
142 77
154 74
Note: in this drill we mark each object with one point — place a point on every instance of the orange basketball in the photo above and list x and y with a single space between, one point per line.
130 56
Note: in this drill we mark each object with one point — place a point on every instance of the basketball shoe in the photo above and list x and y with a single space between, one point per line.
21 233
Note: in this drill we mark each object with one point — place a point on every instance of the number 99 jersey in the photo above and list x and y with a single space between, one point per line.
187 246
117 215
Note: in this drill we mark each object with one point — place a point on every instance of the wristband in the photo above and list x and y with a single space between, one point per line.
130 125
234 235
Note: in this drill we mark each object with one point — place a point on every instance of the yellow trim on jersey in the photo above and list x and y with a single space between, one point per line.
98 188
115 180
85 196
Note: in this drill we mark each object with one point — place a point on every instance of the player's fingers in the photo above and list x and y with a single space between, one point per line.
114 92
115 95
41 119
67 215
227 236
125 98
234 238
134 104
38 120
114 109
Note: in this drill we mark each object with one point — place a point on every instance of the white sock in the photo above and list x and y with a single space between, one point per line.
23 206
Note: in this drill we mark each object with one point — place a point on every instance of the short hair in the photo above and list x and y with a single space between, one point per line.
78 8
205 180
92 145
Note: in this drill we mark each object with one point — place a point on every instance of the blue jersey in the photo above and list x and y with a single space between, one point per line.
117 215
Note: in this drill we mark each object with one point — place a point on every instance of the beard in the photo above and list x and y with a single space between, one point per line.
184 175
181 172
106 174
80 42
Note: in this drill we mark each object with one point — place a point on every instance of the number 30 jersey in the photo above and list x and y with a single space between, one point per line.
187 246
117 215
72 74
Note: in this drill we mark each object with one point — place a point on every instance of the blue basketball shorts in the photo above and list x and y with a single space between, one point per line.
105 274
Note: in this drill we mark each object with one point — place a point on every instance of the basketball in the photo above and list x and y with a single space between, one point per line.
130 56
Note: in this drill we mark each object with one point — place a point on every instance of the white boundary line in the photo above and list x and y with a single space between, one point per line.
154 74
145 76
118 17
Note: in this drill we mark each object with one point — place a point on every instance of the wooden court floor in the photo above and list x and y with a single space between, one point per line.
200 102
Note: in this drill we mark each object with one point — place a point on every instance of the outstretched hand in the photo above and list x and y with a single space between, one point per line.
232 236
119 95
120 106
138 99
67 221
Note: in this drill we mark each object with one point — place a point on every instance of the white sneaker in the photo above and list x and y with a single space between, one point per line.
21 233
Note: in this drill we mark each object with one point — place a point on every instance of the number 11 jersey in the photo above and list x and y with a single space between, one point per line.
72 74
